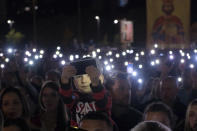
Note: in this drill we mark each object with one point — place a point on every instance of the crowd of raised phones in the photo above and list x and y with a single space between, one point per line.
50 97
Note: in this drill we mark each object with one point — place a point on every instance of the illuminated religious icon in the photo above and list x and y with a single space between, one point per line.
168 28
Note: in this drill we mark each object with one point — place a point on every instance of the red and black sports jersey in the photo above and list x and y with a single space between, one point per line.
80 104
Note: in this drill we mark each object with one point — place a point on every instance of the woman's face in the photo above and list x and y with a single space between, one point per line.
12 106
50 99
193 117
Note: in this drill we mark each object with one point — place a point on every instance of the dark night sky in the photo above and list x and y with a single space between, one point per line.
55 17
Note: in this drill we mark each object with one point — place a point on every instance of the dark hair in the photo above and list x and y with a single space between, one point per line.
61 119
118 76
150 126
21 97
122 76
39 78
55 73
98 116
109 82
20 123
160 107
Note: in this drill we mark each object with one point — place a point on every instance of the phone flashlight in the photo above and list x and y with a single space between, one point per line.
98 50
94 54
136 58
110 53
126 63
152 63
100 57
42 52
31 62
71 58
179 79
157 61
54 56
61 55
25 59
124 53
2 66
152 52
108 68
156 45
140 81
117 55
130 68
7 60
34 50
58 48
105 62
131 51
57 52
36 57
111 60
10 50
77 56
171 57
140 66
191 66
182 61
63 62
142 53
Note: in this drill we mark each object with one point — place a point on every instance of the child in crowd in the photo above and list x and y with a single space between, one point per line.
84 93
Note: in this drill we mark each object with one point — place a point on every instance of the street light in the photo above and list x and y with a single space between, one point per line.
27 8
10 23
97 17
98 27
115 21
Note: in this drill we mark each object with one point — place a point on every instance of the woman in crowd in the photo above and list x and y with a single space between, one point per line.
53 116
13 104
158 111
191 117
16 125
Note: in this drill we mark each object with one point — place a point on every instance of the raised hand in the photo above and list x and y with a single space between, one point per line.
68 72
94 75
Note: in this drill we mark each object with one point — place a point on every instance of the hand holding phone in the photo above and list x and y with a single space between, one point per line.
81 65
68 72
94 75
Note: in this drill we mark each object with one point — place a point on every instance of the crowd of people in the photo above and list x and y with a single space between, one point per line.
49 97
